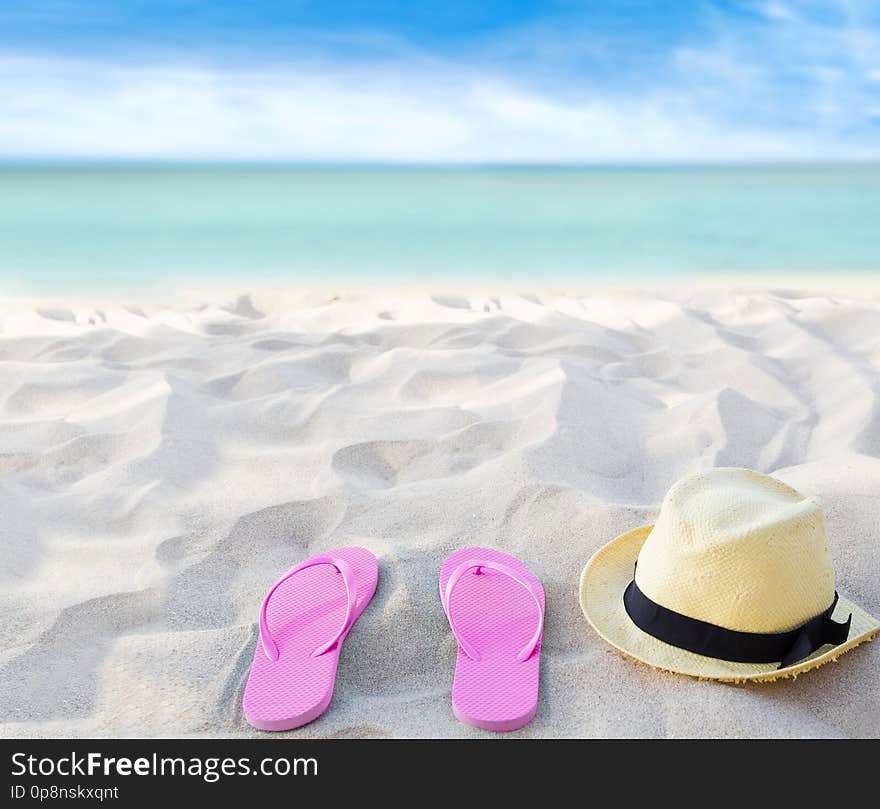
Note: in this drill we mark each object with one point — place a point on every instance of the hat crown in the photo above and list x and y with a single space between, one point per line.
740 550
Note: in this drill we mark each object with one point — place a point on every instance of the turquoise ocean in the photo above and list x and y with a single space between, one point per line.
99 228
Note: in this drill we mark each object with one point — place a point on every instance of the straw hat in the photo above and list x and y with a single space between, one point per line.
734 582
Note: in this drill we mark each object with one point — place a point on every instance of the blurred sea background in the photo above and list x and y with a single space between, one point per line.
109 227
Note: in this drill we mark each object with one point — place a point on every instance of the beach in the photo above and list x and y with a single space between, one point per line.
163 461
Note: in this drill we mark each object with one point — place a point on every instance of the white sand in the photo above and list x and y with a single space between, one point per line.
161 465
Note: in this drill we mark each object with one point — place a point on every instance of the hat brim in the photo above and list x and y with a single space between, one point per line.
607 575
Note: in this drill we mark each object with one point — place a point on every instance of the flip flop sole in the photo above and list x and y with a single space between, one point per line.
498 616
304 612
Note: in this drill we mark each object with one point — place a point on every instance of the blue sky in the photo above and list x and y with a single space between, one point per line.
584 82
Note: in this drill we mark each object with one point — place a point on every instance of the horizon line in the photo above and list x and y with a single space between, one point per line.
231 162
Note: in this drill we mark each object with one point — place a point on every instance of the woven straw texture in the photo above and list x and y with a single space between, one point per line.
749 556
740 550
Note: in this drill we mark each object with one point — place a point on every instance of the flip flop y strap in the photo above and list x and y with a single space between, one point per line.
526 652
347 573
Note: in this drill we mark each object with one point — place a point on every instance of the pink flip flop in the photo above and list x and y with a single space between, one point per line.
495 607
303 621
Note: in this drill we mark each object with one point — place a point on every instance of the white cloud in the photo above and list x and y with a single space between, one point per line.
395 112
778 11
807 73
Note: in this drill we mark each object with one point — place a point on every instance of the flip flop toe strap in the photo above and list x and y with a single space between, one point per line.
270 647
526 652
